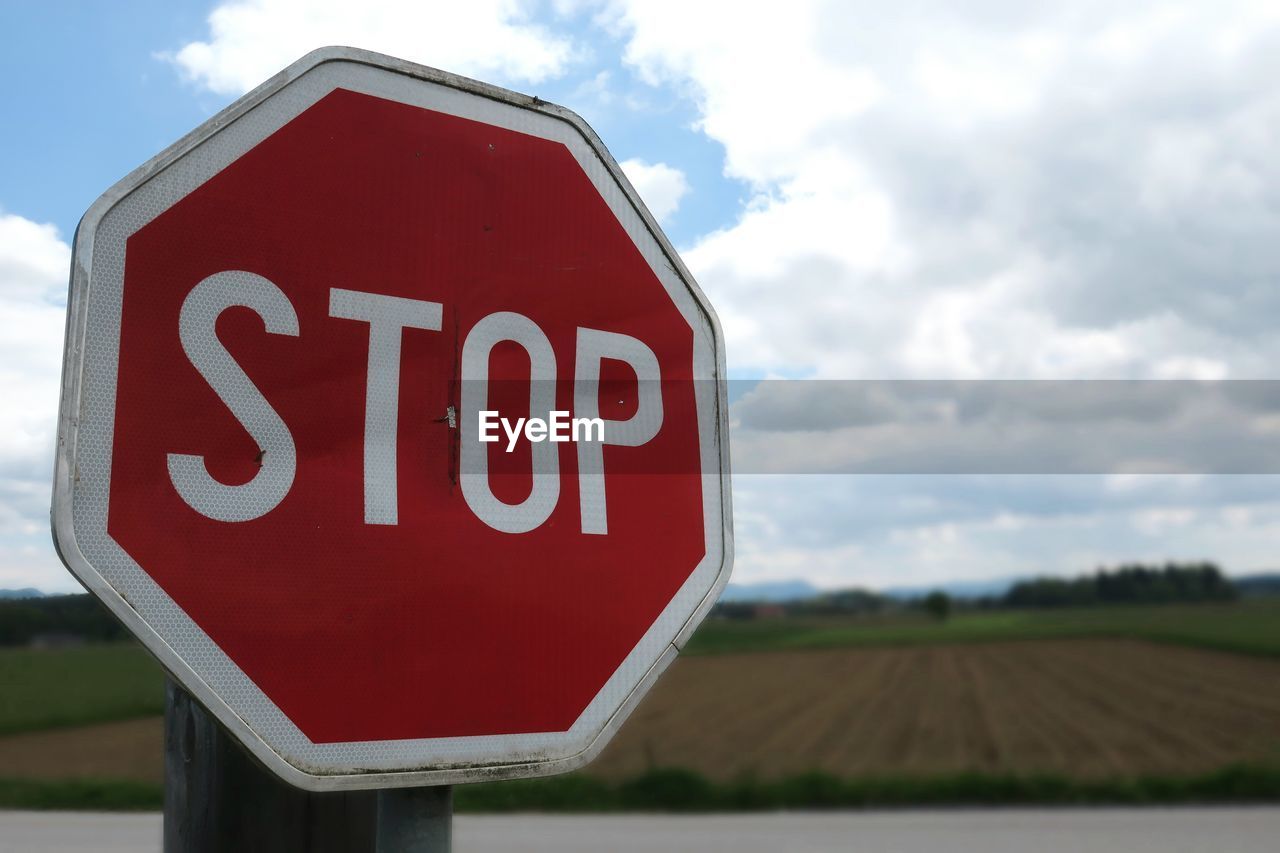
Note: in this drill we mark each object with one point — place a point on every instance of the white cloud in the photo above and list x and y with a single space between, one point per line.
1000 190
34 264
660 186
878 531
764 77
249 40
1006 427
994 190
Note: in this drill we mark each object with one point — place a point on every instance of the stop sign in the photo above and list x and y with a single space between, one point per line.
394 427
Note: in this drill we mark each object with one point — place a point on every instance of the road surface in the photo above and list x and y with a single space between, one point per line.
1182 830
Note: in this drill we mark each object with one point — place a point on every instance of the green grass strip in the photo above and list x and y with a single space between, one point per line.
46 689
104 795
675 790
1248 627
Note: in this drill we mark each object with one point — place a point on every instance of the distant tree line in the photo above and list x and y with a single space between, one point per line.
23 620
1133 583
1127 584
840 602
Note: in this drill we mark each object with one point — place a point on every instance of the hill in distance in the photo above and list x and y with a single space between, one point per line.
779 592
1250 586
991 588
769 591
25 592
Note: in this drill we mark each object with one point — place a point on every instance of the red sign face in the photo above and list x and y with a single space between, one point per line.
293 338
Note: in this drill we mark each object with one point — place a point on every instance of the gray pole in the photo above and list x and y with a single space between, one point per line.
217 797
415 820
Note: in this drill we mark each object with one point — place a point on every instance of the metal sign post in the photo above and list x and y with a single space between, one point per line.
217 797
415 820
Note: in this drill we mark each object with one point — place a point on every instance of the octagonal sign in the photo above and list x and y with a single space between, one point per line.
308 352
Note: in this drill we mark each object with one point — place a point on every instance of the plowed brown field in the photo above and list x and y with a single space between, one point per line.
125 750
1070 707
1074 707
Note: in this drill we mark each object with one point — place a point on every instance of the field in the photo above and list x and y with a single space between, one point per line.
1250 627
127 749
1073 708
1076 708
102 683
66 687
1102 704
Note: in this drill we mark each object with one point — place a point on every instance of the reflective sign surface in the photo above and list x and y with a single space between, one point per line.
284 333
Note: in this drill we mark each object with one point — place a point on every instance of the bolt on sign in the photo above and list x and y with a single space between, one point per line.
394 427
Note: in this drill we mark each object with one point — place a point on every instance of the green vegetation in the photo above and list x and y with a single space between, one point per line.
82 616
1249 626
681 790
44 689
97 795
938 605
1131 584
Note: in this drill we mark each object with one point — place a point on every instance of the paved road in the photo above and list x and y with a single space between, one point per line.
1189 830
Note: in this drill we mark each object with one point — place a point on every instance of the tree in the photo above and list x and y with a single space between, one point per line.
1128 584
938 605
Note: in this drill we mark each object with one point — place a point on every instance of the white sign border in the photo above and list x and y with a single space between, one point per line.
82 469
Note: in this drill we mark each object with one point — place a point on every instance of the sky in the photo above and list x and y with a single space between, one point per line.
865 191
